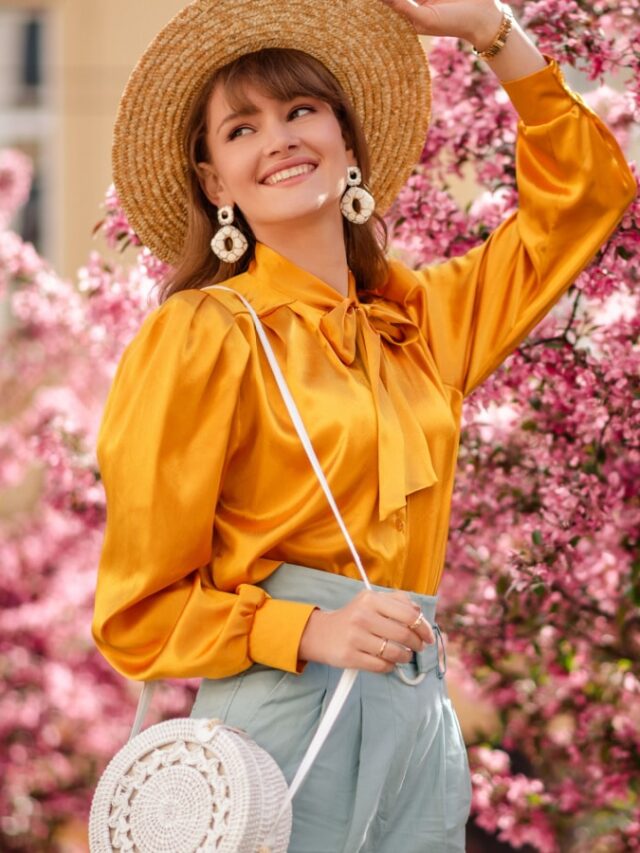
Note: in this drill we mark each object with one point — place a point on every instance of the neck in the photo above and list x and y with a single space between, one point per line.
317 247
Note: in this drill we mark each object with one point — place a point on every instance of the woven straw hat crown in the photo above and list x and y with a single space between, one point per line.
373 52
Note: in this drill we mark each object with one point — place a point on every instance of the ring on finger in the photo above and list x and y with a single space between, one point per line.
382 648
418 621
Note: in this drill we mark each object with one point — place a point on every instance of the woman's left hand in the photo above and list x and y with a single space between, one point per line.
472 20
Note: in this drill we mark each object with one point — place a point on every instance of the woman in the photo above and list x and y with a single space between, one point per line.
221 557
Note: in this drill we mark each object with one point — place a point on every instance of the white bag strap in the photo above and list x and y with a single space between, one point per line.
299 425
347 680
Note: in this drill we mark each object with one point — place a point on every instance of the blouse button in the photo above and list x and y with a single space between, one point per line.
399 524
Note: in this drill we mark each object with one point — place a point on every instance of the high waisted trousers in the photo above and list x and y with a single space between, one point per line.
393 775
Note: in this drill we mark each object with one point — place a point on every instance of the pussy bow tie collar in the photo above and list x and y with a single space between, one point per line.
404 459
351 326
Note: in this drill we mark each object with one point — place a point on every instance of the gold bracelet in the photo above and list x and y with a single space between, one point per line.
501 36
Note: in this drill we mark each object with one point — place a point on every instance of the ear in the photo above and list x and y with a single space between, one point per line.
211 185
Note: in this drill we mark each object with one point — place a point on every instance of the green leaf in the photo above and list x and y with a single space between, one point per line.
502 584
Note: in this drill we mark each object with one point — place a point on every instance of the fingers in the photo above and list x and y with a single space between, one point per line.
393 616
399 607
423 629
375 631
396 632
371 659
442 17
408 9
389 650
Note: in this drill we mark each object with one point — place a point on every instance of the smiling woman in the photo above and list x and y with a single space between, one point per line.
222 558
299 114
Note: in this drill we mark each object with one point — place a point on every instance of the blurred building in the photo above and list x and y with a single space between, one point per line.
63 66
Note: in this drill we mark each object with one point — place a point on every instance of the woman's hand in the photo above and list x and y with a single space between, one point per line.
352 636
476 21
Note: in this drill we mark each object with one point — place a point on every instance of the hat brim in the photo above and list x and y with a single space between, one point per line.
374 53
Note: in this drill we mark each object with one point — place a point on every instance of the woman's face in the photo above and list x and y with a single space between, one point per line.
245 148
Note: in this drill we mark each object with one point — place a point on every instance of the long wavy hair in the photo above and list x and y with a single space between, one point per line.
283 74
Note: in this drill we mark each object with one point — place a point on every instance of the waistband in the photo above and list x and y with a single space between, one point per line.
329 591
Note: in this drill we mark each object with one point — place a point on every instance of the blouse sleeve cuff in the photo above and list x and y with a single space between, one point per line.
277 629
542 96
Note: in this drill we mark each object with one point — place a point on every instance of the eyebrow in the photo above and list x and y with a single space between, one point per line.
250 111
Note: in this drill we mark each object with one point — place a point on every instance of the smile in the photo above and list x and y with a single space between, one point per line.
290 176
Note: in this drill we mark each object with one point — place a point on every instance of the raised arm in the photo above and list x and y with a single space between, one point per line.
574 186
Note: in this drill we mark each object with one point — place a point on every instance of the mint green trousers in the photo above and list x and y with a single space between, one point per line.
393 775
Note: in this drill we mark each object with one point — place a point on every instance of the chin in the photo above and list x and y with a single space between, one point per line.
291 212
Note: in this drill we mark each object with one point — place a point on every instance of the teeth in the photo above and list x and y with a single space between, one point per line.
289 173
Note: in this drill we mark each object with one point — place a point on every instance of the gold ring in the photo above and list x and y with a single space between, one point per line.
418 621
382 648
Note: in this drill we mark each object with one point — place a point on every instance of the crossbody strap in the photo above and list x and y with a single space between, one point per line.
300 428
349 676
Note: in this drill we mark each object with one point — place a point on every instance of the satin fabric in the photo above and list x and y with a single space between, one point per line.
208 487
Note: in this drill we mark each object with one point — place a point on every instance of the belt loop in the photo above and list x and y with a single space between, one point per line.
439 638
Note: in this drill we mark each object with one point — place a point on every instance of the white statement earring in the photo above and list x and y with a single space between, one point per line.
356 195
228 232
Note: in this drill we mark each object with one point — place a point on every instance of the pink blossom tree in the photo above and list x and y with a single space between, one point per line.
63 711
542 591
543 584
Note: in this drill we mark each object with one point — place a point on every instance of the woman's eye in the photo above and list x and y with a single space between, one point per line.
232 134
301 108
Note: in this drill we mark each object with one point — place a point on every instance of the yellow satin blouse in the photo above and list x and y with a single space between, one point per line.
208 487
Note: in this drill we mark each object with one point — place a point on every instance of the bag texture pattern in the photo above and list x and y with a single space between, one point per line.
189 786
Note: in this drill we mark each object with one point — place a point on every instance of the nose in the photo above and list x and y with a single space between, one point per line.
280 136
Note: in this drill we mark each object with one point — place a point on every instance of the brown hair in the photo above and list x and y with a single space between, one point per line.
281 73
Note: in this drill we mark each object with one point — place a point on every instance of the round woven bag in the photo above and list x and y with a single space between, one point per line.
189 785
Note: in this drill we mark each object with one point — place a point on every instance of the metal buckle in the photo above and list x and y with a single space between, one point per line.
440 672
407 679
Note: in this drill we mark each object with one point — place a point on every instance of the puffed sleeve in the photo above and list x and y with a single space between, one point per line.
165 440
574 186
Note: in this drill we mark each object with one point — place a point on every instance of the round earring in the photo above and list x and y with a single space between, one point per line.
356 195
228 232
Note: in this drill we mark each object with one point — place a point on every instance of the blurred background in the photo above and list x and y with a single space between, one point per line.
63 66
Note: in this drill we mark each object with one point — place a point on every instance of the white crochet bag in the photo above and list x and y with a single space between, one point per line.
192 785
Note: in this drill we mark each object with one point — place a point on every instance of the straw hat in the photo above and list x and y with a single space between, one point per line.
373 52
